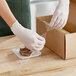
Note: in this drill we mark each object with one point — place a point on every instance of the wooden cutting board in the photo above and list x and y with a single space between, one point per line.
47 64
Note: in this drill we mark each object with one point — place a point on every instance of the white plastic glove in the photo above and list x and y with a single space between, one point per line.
60 15
30 39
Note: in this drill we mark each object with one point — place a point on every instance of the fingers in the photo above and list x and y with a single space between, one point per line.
58 20
39 44
54 18
59 24
64 23
37 47
40 38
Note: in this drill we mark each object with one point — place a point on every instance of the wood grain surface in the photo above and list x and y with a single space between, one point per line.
48 64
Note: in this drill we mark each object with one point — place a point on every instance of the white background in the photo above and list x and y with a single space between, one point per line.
41 8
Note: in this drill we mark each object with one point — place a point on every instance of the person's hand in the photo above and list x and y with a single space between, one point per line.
30 39
60 15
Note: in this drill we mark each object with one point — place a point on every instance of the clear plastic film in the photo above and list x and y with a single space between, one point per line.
33 54
48 28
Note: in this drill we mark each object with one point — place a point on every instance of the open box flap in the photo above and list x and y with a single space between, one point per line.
55 42
70 45
41 27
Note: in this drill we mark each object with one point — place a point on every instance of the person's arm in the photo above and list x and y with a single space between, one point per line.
60 15
30 39
6 14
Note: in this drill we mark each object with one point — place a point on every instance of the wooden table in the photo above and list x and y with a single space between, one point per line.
48 64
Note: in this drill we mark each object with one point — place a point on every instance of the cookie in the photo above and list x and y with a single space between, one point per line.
25 52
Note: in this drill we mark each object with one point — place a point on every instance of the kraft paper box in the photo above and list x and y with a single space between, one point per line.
73 0
62 42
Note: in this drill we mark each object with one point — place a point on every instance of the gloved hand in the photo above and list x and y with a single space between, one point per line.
30 39
60 15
